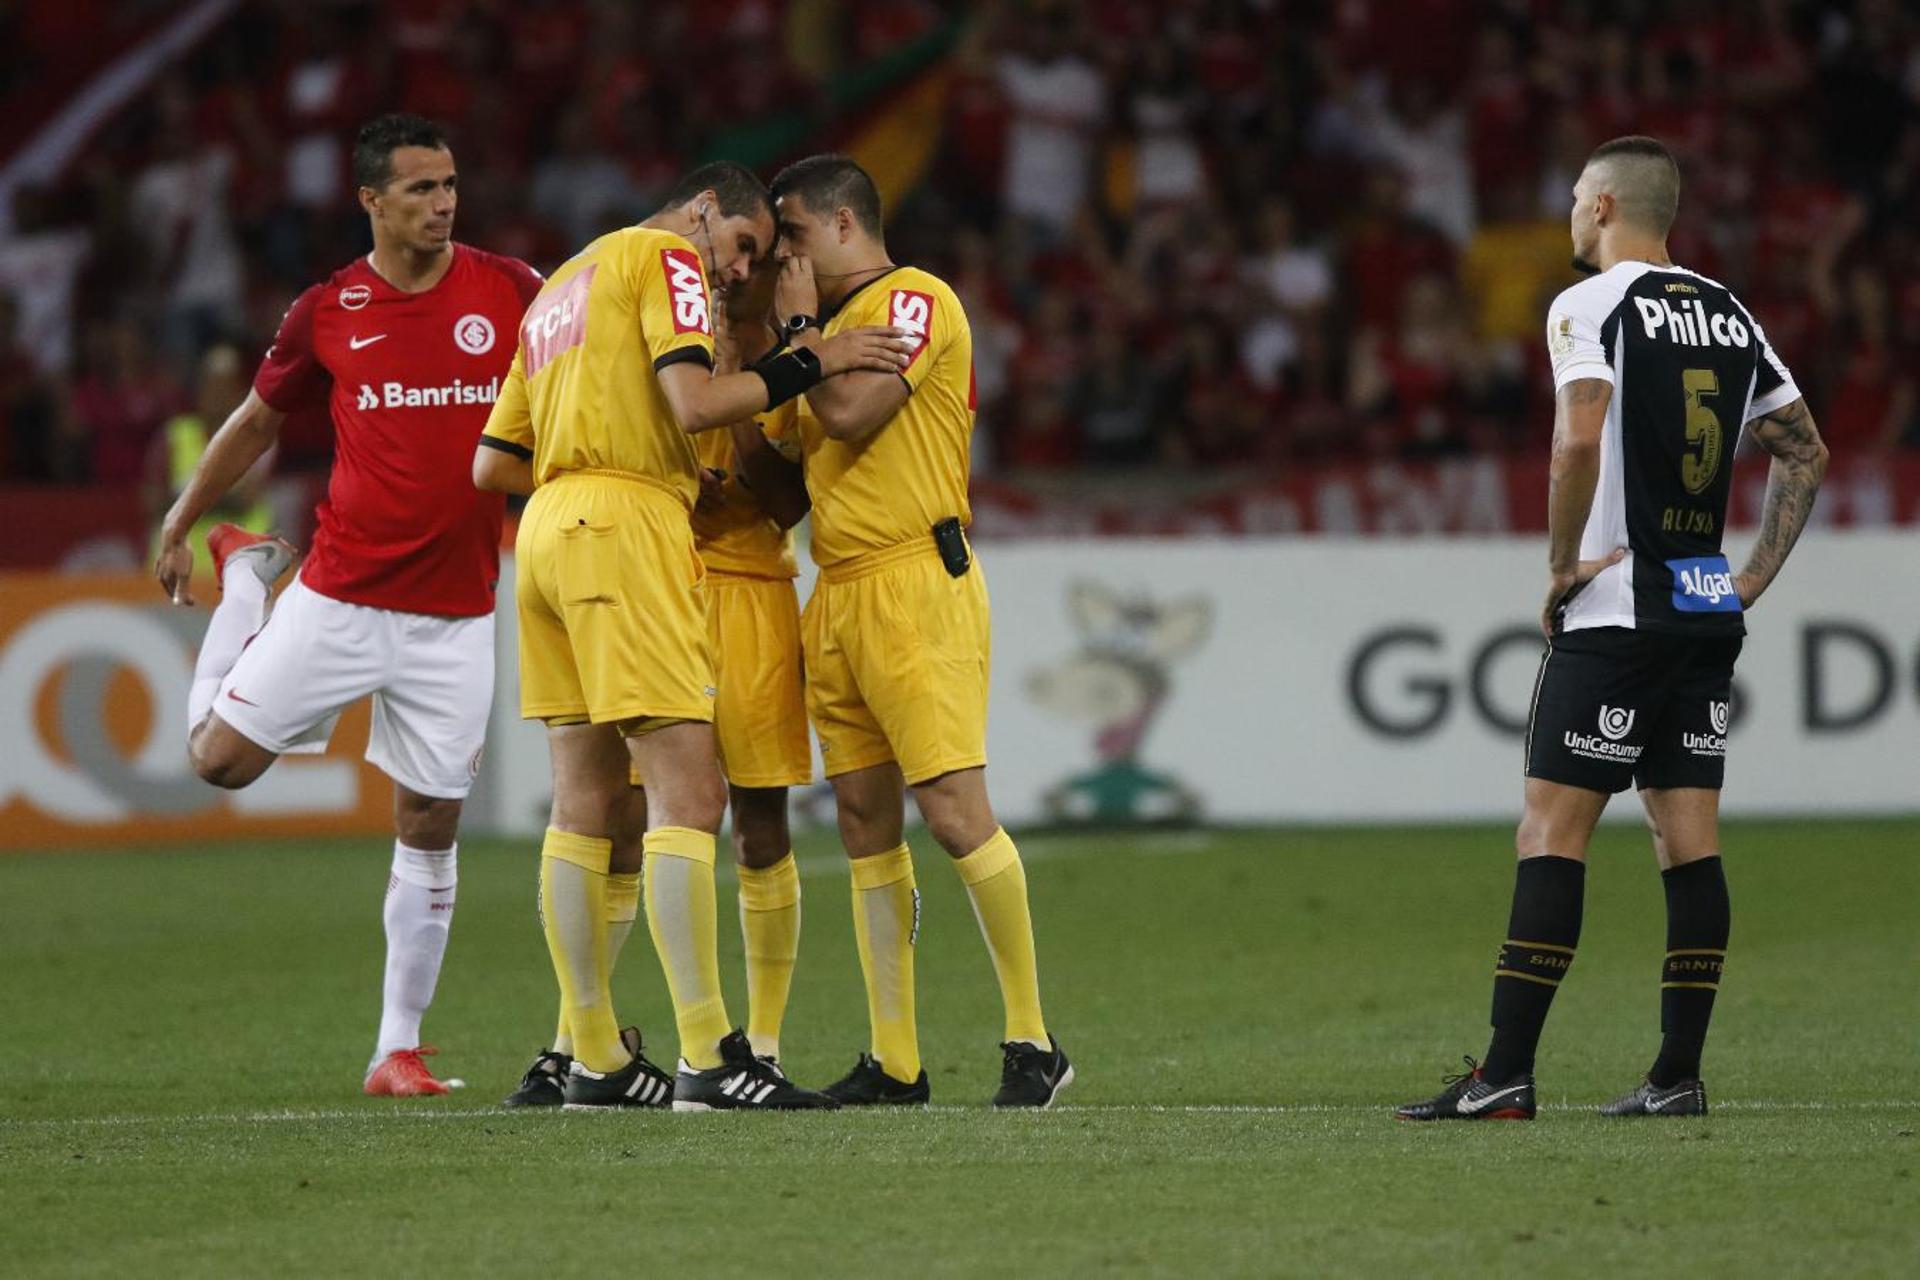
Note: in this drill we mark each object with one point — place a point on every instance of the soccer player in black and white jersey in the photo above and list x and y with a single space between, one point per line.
1655 371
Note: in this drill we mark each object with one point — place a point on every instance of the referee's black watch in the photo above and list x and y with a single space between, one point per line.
799 323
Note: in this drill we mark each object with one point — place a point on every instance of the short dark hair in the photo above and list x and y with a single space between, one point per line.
1646 180
739 190
830 182
373 149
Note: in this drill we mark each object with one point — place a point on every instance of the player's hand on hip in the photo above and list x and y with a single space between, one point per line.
1562 585
173 566
796 294
880 348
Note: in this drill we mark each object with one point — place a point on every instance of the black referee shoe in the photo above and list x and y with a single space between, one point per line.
1032 1077
544 1085
1470 1096
1682 1098
743 1082
869 1085
638 1084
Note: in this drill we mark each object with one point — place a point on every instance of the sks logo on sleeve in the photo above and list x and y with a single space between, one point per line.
912 310
557 323
687 289
1704 584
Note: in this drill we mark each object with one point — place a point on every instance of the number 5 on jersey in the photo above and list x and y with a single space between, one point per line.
1704 432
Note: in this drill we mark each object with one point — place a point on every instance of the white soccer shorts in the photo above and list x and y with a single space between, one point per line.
431 680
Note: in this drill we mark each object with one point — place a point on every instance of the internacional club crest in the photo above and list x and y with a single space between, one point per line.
473 334
1615 722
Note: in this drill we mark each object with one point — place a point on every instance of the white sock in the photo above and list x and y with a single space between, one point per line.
238 617
418 915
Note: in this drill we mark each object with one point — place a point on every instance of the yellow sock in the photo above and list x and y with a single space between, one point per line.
623 907
770 926
573 912
680 913
886 923
998 885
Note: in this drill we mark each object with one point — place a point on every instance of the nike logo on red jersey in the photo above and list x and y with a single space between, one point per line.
357 342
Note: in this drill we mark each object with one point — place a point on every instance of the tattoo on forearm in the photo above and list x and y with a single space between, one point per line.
1799 462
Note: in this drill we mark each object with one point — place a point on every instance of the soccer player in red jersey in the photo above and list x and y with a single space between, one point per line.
407 347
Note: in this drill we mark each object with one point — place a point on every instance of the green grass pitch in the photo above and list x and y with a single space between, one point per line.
182 1035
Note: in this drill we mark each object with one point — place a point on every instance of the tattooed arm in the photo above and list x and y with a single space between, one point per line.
1579 420
1799 461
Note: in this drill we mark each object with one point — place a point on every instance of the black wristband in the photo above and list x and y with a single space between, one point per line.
788 374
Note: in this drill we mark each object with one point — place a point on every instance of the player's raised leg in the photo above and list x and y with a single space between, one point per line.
256 562
247 566
1685 822
960 817
769 909
871 805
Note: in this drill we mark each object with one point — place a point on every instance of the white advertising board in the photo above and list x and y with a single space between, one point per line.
1333 680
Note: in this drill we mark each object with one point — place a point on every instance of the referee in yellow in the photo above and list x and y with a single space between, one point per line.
896 635
595 419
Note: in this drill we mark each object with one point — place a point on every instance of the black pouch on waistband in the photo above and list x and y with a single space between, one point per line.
952 541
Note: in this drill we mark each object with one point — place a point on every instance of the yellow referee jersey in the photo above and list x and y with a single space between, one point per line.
581 395
895 485
739 537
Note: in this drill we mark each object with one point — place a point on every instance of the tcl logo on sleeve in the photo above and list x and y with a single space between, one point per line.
688 290
912 310
556 323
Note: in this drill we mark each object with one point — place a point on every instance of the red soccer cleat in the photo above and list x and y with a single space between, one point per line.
401 1074
225 540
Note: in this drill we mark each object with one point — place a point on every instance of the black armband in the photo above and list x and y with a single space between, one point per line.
788 374
519 451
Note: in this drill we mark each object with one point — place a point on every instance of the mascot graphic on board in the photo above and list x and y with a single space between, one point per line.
1117 682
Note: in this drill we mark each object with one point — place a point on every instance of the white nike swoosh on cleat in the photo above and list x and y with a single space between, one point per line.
1470 1106
356 342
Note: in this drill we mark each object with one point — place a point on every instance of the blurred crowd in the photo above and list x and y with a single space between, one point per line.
1189 233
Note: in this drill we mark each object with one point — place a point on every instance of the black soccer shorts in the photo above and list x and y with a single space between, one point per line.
1615 706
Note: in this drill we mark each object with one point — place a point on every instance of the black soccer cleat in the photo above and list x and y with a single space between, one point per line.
1470 1096
638 1084
869 1085
1683 1098
743 1082
544 1085
1032 1077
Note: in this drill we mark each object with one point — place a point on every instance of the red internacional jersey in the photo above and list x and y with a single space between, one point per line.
409 379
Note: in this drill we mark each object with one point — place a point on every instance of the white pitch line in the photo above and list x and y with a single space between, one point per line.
1121 1108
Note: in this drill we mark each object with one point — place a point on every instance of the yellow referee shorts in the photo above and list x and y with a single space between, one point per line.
612 603
760 718
898 653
